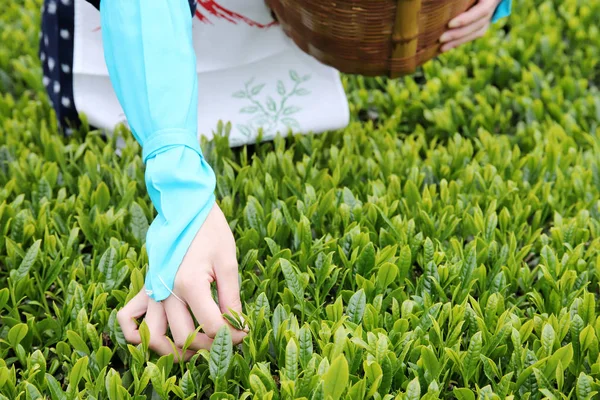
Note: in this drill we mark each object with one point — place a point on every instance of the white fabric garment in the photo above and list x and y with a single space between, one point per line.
249 73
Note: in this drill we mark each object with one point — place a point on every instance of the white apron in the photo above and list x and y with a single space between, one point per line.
249 73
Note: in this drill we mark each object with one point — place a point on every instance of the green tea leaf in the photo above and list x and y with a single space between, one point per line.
4 295
32 392
584 386
413 390
336 378
77 342
101 196
463 394
291 279
291 360
28 260
139 222
79 370
16 334
356 306
548 336
564 355
473 353
430 362
366 260
221 353
386 275
306 345
54 388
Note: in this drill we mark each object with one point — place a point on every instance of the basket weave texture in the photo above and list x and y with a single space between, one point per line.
368 37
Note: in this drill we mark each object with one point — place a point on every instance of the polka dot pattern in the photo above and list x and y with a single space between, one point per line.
56 55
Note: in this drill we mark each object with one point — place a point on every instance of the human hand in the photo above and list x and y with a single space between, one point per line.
210 258
470 25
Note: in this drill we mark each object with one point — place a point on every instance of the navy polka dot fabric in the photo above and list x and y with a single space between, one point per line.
56 55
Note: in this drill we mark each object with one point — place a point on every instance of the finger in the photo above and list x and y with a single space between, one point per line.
228 287
457 34
156 319
206 310
481 10
468 38
135 308
226 270
181 325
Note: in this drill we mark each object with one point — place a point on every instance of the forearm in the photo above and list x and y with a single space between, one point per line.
152 66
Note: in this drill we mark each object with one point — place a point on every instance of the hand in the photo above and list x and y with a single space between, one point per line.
210 258
470 25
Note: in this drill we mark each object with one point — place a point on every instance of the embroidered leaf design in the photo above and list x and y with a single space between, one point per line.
244 129
271 105
271 114
302 92
291 122
249 110
281 88
291 110
260 121
257 89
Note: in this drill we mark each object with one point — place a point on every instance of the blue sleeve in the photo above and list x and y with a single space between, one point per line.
152 66
503 10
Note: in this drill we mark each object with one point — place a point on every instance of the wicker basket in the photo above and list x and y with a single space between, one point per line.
368 37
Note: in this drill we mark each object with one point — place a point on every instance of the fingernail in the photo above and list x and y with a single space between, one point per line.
453 24
444 38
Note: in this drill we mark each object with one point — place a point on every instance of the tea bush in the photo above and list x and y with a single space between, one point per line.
445 245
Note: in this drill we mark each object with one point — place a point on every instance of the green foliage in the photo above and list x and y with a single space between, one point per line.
445 245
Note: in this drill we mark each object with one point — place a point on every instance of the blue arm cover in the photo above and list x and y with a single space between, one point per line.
152 66
503 10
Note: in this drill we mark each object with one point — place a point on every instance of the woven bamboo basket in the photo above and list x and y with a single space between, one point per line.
368 37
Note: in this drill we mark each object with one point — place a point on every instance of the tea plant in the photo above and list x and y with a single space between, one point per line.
444 245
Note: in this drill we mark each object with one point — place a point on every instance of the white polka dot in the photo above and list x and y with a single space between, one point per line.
46 80
52 7
66 102
66 2
51 63
65 68
64 34
56 87
46 41
43 56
